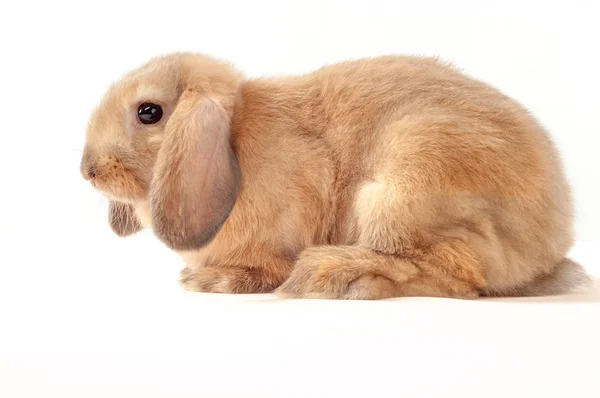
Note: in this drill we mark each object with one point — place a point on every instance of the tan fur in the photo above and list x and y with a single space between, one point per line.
376 178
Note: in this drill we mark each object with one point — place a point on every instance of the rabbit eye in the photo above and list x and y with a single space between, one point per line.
149 113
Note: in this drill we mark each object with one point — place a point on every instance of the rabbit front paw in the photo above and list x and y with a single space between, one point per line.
225 279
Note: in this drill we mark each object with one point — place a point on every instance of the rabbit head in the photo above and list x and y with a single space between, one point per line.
161 137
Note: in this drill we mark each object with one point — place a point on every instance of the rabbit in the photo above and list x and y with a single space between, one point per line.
368 179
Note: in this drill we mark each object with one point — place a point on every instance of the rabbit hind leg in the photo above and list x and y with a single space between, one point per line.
405 246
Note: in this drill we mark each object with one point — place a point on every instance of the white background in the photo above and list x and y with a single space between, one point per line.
85 314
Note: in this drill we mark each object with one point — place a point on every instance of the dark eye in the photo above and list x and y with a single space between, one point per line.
149 113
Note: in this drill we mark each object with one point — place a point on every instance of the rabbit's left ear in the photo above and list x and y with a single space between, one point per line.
196 178
122 218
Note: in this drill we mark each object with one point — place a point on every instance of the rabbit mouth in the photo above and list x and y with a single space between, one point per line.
124 187
114 178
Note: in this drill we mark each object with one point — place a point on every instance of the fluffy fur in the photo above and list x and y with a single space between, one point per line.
376 178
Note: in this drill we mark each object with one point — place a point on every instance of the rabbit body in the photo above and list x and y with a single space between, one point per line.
375 178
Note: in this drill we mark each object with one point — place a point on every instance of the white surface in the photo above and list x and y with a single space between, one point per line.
122 328
85 314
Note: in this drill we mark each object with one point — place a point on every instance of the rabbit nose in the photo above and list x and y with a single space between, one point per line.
87 167
89 172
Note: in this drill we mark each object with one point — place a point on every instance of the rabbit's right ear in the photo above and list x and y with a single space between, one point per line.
122 218
196 178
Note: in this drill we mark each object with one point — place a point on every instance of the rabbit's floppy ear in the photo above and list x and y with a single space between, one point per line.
122 218
196 178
